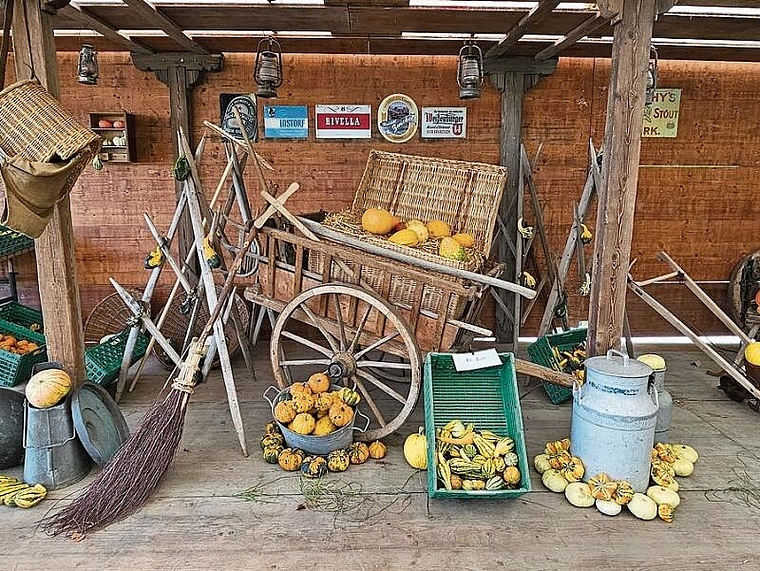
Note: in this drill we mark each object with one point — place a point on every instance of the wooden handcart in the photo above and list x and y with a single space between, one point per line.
365 313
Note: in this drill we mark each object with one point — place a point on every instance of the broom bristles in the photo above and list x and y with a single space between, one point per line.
130 478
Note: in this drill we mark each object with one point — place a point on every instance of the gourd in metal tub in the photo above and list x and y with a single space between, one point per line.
316 416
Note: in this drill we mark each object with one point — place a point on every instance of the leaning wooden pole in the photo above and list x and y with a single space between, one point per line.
34 56
617 197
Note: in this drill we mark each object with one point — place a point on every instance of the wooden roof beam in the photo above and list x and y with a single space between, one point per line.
167 25
90 22
587 27
536 15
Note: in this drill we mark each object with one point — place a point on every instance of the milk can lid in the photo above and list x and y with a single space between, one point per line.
98 421
617 364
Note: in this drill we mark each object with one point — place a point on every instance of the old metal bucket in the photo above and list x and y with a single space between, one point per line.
11 427
614 419
336 440
54 456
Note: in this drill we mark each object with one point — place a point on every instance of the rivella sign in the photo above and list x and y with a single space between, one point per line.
344 121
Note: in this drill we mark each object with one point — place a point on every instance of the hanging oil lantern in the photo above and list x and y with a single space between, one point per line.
88 65
267 71
470 71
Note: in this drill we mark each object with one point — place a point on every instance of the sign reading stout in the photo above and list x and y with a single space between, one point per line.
344 121
661 116
444 122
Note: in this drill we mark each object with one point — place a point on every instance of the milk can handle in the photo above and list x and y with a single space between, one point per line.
577 390
23 435
625 357
655 397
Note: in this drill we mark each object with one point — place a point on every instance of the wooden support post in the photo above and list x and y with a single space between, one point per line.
518 77
617 197
179 72
34 56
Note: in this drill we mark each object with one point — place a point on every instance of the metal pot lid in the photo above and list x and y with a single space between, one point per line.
99 423
617 365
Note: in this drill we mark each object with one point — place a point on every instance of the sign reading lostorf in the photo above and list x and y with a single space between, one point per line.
397 118
286 122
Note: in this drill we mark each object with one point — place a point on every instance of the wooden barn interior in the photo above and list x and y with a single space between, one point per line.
673 267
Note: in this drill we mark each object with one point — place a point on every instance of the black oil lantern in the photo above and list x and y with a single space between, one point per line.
651 75
88 65
470 71
267 72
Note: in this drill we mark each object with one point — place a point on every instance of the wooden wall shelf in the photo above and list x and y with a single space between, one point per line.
118 142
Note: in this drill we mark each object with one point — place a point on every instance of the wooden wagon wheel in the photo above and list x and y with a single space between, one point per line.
742 287
343 327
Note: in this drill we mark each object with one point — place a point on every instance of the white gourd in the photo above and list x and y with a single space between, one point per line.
553 480
686 452
662 495
608 507
579 494
643 507
541 463
683 467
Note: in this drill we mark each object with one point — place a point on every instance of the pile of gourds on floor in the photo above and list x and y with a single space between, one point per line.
18 494
414 233
273 451
562 472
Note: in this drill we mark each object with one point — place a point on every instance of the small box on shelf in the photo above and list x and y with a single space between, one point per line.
118 133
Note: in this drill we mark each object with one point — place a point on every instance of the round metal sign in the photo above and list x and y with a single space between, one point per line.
397 118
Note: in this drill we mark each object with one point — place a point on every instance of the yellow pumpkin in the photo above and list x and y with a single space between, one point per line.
419 228
303 402
297 388
405 237
377 450
318 383
358 452
323 426
289 460
451 249
377 221
340 414
303 423
464 239
324 402
752 353
602 487
438 228
47 388
415 450
285 411
511 476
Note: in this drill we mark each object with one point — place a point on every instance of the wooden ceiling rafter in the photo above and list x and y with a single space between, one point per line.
166 24
536 15
90 22
589 26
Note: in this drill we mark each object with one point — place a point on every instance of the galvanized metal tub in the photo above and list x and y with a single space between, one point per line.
11 427
614 418
321 445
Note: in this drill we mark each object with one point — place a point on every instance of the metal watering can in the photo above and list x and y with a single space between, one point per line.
614 418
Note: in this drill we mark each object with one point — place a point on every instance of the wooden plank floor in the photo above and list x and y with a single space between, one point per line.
197 522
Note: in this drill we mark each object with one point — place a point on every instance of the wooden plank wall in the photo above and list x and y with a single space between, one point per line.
696 192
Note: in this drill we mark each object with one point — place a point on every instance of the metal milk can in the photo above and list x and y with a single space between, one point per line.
662 428
614 419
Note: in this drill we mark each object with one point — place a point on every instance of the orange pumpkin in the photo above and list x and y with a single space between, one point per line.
47 388
318 383
341 414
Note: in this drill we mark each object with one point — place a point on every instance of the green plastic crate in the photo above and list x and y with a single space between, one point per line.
13 243
486 397
21 315
16 369
103 361
541 353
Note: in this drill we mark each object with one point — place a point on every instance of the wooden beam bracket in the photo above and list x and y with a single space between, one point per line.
190 61
527 65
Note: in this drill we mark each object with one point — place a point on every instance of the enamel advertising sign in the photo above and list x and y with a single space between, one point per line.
344 121
397 118
286 122
444 122
661 116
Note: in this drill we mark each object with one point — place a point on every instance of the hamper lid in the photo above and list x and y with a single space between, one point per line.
99 423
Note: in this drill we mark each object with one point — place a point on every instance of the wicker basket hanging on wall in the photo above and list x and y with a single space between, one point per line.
43 149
